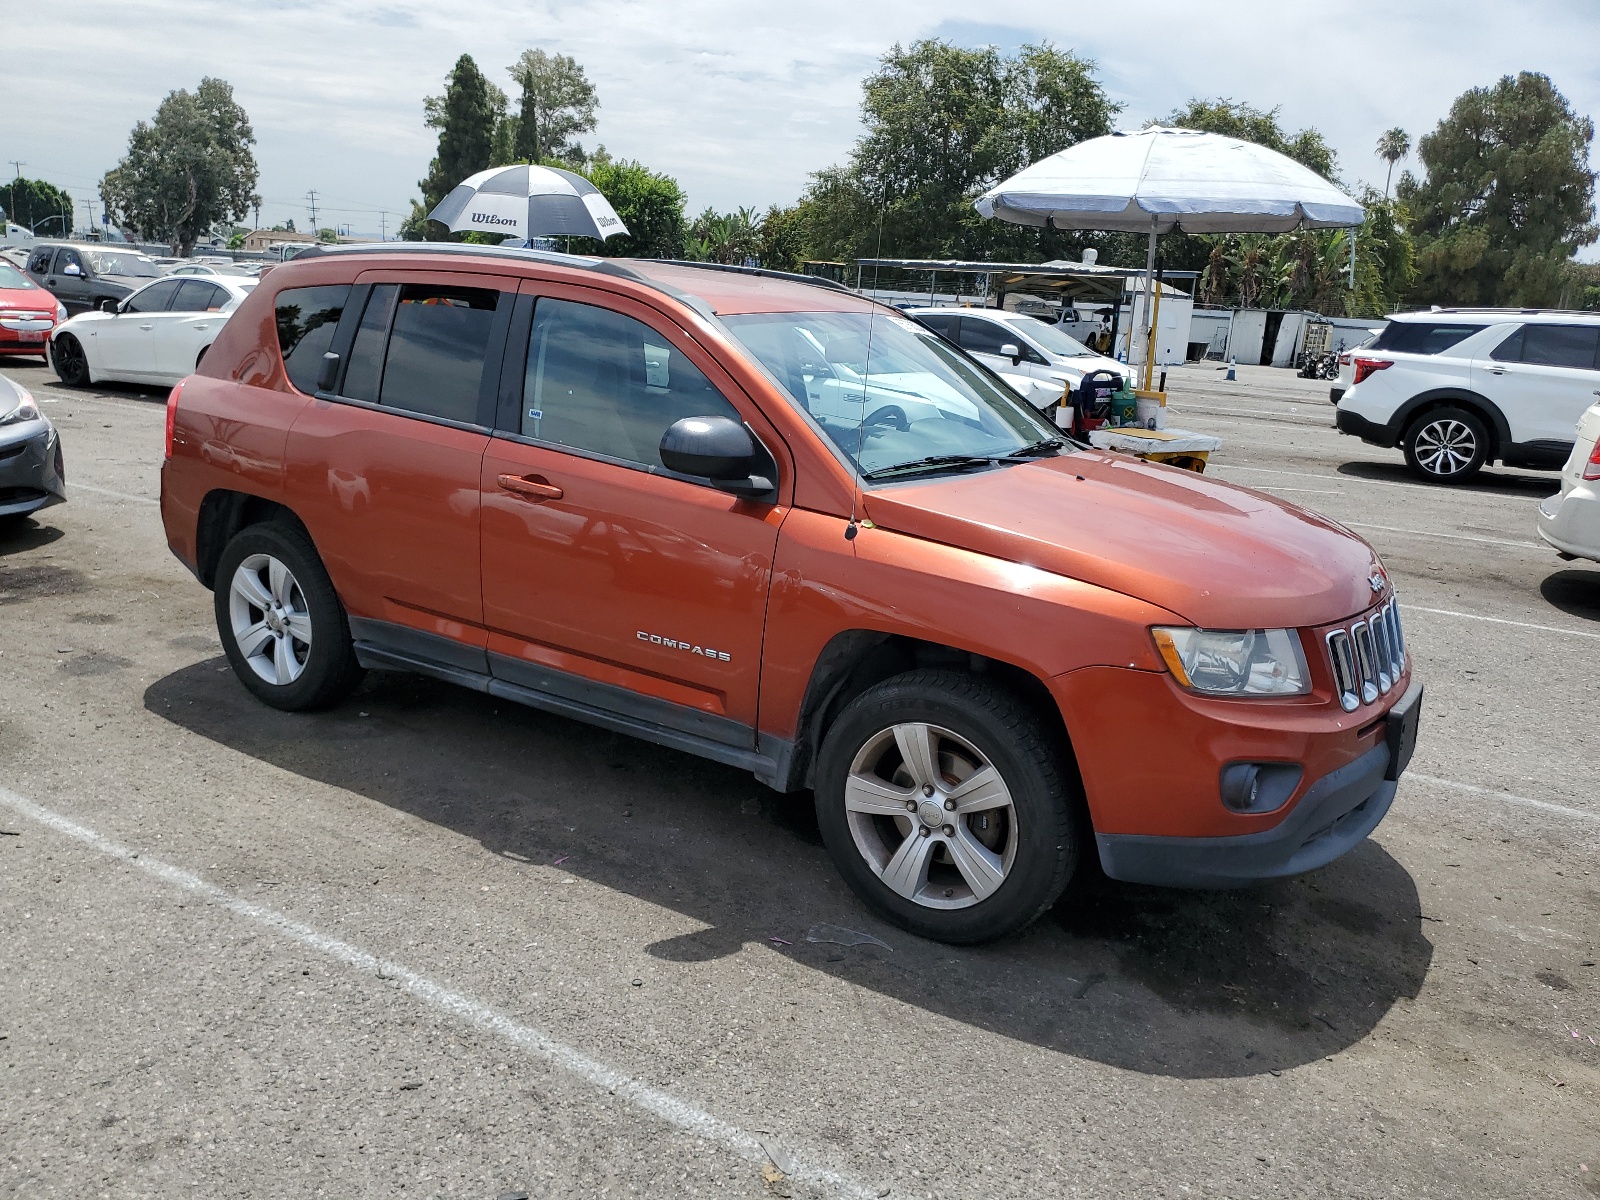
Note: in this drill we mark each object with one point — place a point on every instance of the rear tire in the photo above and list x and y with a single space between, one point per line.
946 805
1446 445
69 362
280 620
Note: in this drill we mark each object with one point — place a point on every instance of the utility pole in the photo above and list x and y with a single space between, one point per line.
383 227
258 214
89 208
18 164
312 197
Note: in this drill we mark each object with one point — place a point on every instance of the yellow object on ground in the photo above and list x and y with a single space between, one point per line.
1175 447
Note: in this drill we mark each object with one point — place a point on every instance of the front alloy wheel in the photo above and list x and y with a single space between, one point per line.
931 816
949 805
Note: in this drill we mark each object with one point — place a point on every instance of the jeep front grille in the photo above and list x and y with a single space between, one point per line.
1368 657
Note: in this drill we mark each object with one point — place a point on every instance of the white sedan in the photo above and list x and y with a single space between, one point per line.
157 335
1570 520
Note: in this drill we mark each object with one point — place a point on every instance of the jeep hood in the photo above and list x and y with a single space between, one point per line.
1219 555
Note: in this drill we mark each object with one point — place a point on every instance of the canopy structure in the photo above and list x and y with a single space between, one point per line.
1158 179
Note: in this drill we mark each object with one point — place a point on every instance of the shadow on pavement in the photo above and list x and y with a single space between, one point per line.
1169 983
18 535
1575 591
1498 481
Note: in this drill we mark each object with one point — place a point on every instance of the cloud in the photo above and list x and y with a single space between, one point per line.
740 101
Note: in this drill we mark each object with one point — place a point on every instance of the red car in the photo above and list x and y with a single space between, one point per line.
764 520
28 313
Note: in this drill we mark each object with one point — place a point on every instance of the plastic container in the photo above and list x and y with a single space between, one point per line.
1151 414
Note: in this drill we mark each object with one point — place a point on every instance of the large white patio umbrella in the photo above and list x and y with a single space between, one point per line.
528 202
1157 179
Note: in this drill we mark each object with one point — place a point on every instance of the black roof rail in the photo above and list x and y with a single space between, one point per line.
581 262
764 272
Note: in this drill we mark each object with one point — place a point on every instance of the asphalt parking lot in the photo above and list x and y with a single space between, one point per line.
428 944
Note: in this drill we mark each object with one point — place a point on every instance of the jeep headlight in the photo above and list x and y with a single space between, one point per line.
1235 662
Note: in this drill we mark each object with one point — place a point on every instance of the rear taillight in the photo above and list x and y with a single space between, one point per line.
1591 469
1366 366
1344 359
172 414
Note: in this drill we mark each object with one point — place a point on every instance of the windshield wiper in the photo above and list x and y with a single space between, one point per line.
933 462
1036 448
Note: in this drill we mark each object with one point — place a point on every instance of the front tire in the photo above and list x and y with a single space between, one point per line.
1446 445
946 805
69 362
280 620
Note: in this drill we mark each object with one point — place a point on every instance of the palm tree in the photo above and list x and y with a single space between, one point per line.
1392 147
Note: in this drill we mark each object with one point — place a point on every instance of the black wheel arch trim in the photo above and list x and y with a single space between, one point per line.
1476 402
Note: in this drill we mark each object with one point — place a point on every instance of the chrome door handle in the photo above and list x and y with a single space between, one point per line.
147 327
1497 370
531 488
197 327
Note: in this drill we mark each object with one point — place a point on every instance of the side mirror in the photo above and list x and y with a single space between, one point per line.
327 372
715 448
111 307
1011 351
71 269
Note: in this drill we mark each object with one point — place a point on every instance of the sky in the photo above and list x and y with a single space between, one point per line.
738 101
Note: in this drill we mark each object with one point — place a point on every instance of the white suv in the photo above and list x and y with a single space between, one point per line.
1458 388
1017 344
1570 520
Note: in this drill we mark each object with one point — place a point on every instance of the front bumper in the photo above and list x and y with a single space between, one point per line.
32 474
1332 817
1571 521
24 337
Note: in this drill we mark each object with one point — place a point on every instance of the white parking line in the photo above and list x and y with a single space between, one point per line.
1508 797
1454 537
100 491
678 1113
1450 612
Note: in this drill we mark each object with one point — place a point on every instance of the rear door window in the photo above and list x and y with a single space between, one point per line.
437 342
601 381
978 336
1424 337
944 324
307 319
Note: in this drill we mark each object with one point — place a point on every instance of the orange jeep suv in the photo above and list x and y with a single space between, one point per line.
763 519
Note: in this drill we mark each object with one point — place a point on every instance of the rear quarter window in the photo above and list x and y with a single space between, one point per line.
307 319
1424 337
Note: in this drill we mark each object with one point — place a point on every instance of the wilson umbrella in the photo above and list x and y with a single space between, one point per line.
529 202
1157 179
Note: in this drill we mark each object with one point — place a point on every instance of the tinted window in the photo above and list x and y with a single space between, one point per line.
364 376
944 324
64 257
603 382
1560 345
196 295
1423 337
154 298
436 346
307 318
39 264
985 337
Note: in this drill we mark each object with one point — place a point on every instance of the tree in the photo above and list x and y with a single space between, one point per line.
29 202
1394 145
1507 197
944 123
186 170
557 102
783 238
650 205
1236 119
465 117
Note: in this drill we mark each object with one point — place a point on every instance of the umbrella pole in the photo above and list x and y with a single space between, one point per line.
1149 306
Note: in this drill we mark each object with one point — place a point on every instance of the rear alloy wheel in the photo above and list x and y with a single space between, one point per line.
280 621
942 801
70 363
1447 445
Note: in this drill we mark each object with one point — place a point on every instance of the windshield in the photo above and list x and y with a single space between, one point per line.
1053 339
12 278
123 263
918 399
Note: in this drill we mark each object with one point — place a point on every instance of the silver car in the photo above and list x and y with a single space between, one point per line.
32 474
